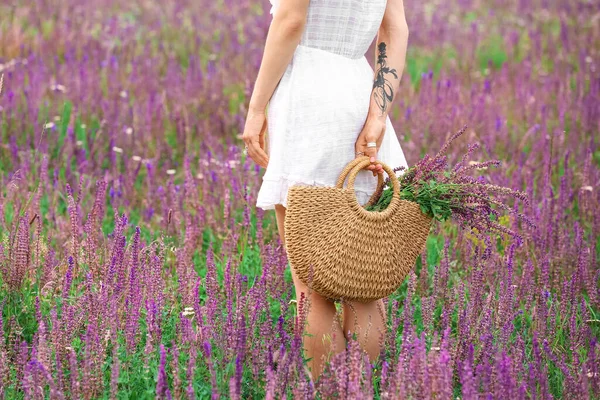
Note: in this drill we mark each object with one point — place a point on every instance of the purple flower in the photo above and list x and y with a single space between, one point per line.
68 278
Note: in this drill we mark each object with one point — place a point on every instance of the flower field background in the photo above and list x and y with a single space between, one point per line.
133 263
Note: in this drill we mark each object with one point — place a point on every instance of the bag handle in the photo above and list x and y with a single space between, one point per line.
395 202
342 177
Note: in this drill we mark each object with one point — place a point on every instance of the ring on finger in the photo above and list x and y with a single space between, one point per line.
359 153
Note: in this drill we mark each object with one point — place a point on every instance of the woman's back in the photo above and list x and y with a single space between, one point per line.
344 27
322 100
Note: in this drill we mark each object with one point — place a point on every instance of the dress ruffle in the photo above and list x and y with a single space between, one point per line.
275 191
274 5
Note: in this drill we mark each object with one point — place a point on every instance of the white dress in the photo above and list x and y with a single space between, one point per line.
321 103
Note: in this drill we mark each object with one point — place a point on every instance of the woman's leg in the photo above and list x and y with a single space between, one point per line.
368 321
322 321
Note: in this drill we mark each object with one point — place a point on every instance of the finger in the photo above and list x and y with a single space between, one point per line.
372 166
377 169
258 159
371 152
258 154
261 137
359 150
261 159
250 152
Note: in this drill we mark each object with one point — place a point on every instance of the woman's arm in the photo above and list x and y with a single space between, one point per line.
390 52
284 35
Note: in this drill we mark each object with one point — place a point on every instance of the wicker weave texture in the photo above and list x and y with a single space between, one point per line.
354 254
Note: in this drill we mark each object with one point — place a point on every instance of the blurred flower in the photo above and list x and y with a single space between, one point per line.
123 94
49 125
136 158
472 162
117 149
9 64
129 130
58 88
587 188
171 172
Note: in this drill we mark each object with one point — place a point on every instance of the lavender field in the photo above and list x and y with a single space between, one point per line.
134 264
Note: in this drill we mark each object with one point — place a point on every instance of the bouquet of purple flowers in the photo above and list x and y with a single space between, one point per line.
442 192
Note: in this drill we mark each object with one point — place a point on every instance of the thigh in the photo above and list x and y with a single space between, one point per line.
280 214
298 284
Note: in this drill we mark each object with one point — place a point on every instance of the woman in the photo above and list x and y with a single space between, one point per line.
327 106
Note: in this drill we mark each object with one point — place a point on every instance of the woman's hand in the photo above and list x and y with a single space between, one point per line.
372 131
254 137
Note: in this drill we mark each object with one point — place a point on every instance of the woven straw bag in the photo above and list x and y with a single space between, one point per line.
344 252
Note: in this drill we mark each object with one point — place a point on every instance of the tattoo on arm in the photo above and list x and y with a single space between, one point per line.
382 88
